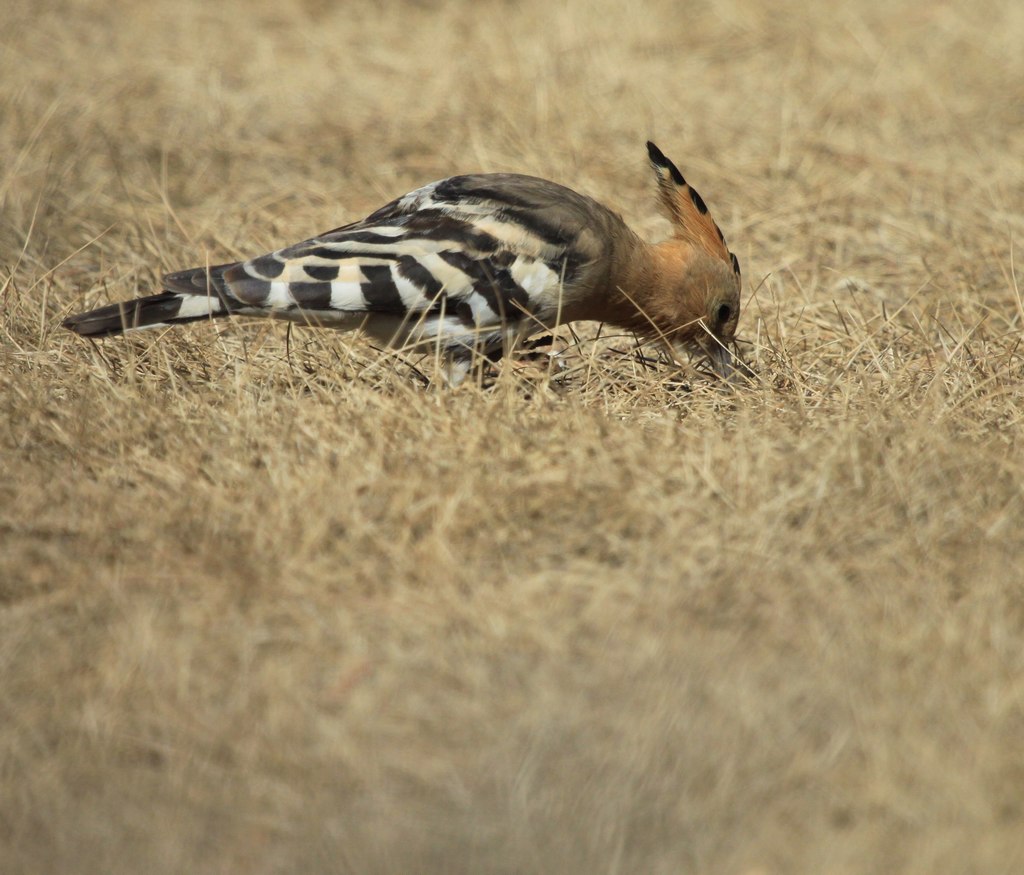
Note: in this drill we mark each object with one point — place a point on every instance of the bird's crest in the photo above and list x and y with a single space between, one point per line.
686 209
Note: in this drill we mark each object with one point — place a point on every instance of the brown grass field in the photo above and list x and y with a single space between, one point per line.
270 604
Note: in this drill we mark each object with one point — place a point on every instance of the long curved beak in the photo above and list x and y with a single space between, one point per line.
727 365
722 359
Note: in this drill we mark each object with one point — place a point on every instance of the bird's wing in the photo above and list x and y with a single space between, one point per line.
489 248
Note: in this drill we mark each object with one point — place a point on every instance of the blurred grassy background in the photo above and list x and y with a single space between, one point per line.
269 605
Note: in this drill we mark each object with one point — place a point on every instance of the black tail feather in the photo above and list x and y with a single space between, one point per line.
154 310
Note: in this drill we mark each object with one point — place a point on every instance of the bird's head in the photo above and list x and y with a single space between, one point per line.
694 287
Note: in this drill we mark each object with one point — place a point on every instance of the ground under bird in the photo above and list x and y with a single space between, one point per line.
469 267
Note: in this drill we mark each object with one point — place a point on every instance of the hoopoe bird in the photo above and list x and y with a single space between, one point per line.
472 265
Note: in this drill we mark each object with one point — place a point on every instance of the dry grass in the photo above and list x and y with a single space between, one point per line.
268 609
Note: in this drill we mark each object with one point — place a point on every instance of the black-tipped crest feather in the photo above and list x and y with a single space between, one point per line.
658 159
685 207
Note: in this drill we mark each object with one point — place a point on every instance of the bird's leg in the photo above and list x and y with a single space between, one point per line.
536 357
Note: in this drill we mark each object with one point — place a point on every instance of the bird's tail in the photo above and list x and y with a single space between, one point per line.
192 295
154 311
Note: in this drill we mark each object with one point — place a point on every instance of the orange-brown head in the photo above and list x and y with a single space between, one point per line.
691 295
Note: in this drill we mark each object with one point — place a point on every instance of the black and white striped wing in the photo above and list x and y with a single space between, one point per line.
490 250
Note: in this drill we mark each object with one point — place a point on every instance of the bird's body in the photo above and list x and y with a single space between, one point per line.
470 265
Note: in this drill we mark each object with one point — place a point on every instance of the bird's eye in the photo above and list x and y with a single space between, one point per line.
724 314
